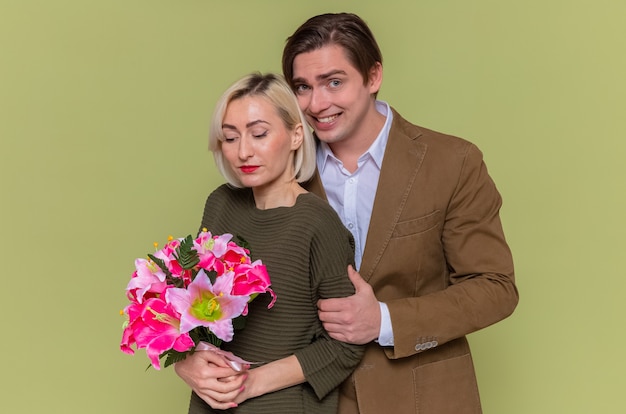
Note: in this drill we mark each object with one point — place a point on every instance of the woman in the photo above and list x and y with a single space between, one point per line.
263 148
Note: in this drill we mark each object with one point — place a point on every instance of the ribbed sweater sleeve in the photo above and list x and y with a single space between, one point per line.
327 362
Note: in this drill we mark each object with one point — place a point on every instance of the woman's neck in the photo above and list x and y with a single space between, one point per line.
283 196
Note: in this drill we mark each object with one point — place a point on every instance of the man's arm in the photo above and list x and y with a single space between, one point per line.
354 319
481 287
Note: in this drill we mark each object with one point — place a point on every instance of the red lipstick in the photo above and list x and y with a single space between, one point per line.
247 169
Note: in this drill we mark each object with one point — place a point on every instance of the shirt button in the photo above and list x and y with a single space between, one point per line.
350 225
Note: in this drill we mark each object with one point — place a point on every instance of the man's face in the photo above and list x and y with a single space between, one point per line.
333 96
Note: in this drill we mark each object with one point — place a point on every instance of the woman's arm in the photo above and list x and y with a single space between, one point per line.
276 375
218 385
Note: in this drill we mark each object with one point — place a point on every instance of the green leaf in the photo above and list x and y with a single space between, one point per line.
169 278
212 274
175 281
172 357
239 322
243 242
161 264
186 255
202 334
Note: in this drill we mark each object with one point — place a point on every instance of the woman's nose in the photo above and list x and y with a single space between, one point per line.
246 149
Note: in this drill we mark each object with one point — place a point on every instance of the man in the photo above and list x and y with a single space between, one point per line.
433 261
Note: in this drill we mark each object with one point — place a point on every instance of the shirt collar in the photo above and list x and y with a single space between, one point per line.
376 151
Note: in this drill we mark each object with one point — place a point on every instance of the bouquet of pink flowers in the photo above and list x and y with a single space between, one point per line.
190 291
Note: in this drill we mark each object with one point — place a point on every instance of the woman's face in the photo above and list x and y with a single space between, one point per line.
257 145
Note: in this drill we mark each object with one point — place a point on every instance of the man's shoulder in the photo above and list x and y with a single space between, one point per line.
401 127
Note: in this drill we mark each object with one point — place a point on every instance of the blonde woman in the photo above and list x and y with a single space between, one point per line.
264 149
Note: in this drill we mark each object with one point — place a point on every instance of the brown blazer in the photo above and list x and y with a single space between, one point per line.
436 254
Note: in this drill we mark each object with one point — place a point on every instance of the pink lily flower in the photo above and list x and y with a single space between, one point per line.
252 279
236 255
210 249
148 277
128 335
208 305
157 329
167 255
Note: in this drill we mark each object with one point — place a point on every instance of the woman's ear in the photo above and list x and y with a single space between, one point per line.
297 136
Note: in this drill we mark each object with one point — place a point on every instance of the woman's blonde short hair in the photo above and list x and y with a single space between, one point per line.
275 90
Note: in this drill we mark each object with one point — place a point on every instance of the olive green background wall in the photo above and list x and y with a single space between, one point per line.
104 109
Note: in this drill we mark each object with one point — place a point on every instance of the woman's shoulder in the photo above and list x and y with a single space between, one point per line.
320 215
311 200
228 194
316 206
224 207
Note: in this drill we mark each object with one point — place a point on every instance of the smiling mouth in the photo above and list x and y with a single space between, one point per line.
327 119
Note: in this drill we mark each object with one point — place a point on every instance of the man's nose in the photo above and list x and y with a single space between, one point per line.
319 101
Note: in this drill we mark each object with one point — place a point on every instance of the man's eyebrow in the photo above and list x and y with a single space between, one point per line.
323 76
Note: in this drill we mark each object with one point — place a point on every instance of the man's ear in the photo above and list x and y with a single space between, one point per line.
376 78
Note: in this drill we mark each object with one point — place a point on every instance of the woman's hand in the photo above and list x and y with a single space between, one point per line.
211 377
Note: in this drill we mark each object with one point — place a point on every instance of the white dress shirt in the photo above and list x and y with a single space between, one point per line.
352 196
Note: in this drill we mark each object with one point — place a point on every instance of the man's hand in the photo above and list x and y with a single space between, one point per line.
211 377
354 319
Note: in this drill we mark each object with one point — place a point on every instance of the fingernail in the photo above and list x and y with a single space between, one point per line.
233 405
243 387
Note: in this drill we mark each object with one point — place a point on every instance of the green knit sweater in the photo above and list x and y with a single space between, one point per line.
306 250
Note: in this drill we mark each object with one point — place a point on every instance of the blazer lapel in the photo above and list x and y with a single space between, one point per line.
403 156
